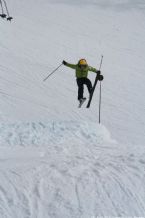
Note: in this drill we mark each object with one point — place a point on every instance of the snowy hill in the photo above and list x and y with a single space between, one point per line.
55 161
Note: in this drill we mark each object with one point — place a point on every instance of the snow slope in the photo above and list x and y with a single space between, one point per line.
55 161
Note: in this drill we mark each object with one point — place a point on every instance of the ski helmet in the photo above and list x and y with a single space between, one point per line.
82 62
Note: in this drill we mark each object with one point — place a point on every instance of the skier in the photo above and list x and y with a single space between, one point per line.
82 69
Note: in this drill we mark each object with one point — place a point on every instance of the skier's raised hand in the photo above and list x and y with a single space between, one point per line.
98 71
64 62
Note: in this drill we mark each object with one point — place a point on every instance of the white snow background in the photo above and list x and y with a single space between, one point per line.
56 161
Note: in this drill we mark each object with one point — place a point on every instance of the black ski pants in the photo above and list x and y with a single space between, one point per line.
81 82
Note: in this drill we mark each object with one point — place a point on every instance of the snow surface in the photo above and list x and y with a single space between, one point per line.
55 160
68 170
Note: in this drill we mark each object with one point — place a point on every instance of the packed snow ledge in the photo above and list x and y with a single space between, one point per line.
68 169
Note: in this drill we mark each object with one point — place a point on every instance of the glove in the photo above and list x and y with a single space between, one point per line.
64 62
98 71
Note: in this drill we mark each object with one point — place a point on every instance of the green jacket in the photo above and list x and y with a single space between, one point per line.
81 73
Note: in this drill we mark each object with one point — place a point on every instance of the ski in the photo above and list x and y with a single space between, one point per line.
93 89
81 103
99 77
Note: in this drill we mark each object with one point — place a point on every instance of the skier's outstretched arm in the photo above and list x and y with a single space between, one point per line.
100 77
92 69
73 66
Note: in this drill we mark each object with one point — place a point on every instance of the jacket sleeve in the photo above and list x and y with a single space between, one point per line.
73 66
92 69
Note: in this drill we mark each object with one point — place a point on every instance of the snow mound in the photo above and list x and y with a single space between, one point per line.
69 170
41 134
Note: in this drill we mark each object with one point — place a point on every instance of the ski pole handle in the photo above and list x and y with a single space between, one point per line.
52 72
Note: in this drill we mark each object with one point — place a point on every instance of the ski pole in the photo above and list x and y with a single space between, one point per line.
2 7
100 99
6 8
100 95
52 72
3 15
9 18
101 62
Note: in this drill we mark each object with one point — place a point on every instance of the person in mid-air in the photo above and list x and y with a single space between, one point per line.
82 68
